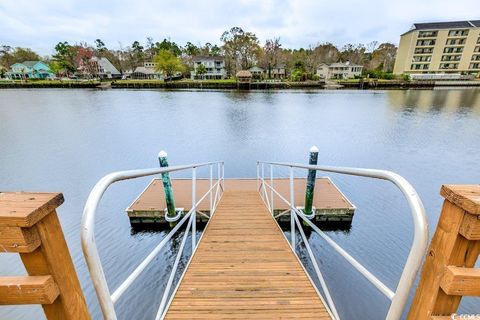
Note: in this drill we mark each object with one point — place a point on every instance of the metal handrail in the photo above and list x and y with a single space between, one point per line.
89 246
420 239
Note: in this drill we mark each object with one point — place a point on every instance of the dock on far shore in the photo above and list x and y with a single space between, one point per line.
330 203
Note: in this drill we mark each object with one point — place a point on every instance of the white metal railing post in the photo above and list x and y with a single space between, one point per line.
271 191
292 210
258 175
219 174
194 207
223 176
211 193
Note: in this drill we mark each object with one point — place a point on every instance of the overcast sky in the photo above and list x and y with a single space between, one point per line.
40 24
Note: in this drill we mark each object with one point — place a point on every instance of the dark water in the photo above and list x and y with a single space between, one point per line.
65 140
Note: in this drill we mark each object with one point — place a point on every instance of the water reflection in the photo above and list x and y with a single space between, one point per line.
439 100
65 140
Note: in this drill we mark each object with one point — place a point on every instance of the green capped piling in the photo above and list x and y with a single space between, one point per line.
167 187
312 174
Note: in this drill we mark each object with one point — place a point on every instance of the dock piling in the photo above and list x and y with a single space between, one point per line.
167 187
310 190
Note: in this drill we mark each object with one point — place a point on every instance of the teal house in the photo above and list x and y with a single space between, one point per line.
30 70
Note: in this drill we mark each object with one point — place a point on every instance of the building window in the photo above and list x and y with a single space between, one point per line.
423 50
477 49
476 57
422 58
454 42
419 66
453 50
427 34
458 33
455 57
425 42
478 40
474 66
448 65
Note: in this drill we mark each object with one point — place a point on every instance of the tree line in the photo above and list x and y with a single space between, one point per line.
240 49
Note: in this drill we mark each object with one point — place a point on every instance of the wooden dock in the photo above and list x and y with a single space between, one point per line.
245 270
330 203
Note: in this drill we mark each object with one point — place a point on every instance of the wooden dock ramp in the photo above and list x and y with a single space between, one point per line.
244 268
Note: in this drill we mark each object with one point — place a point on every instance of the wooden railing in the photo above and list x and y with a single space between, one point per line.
448 272
29 225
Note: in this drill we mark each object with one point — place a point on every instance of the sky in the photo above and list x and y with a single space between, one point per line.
40 24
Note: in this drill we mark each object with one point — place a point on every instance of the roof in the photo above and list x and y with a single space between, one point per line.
107 66
31 63
255 68
341 64
146 70
244 74
207 58
444 25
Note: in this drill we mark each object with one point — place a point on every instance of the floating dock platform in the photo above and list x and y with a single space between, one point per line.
330 203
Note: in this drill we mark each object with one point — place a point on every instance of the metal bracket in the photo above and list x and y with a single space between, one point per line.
179 214
308 216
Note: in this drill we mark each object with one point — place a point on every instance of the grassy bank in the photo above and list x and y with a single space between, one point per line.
49 84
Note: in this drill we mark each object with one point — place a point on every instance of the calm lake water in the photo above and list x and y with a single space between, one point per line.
66 140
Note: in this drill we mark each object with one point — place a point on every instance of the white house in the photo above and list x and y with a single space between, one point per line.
106 69
146 72
256 72
214 67
339 70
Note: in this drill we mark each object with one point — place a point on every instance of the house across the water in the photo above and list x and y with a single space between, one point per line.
213 68
339 70
147 72
30 70
257 72
279 72
106 69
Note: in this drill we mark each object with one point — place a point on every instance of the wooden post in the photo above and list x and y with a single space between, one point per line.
167 185
33 229
448 271
312 174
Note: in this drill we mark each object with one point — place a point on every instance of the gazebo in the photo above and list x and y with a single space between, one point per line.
244 79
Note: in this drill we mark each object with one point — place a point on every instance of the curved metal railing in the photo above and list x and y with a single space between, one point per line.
89 246
418 249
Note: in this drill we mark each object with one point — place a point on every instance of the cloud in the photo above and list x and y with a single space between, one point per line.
41 24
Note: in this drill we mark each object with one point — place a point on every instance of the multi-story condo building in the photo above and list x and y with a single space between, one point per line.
440 47
214 67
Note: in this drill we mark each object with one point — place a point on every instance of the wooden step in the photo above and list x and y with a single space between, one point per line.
458 281
470 227
28 290
24 209
16 239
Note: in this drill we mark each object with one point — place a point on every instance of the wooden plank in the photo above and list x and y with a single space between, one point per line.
245 273
470 227
24 209
53 258
17 239
28 290
466 197
461 281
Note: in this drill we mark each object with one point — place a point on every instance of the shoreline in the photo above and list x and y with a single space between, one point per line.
232 85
